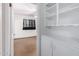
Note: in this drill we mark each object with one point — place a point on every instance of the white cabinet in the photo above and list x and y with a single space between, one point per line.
61 29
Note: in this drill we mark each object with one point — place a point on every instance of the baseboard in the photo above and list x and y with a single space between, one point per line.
24 37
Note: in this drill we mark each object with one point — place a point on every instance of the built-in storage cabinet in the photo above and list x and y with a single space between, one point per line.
61 34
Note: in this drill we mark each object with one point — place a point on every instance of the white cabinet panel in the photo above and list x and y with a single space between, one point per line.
46 46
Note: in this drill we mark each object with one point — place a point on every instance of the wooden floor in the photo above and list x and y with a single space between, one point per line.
25 46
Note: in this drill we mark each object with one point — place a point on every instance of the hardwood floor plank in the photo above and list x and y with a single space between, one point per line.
25 46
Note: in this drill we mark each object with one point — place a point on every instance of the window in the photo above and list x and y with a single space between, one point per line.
29 24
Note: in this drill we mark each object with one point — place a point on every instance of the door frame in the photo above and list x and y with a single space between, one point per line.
6 29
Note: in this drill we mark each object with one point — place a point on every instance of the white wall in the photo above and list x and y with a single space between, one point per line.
19 32
0 29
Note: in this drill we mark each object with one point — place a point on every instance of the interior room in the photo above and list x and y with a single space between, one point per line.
45 29
25 32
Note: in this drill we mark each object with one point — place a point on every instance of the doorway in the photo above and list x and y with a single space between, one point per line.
25 30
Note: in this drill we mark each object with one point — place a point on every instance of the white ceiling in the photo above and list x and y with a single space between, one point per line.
24 8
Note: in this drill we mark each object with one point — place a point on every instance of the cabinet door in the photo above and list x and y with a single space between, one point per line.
0 29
